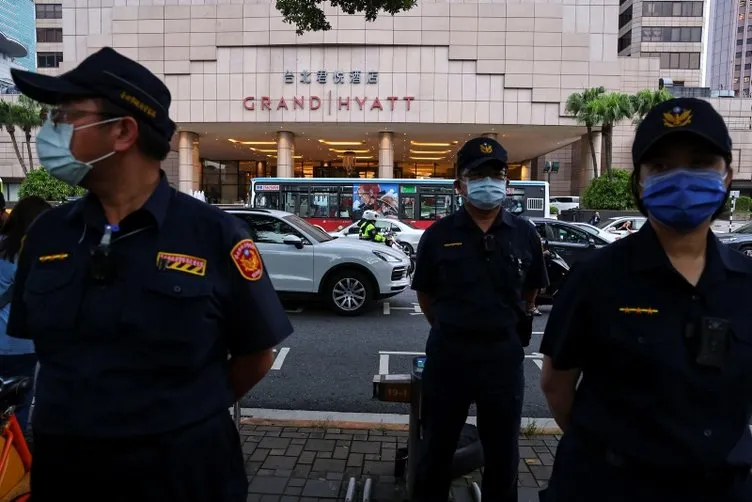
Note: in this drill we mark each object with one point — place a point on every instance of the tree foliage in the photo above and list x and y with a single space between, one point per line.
308 15
609 192
39 182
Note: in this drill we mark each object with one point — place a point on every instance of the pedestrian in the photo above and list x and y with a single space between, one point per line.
476 271
17 357
595 219
662 348
151 311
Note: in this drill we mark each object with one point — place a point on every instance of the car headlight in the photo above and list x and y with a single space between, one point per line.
387 257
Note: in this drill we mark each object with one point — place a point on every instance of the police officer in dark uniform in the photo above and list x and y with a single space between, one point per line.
475 269
134 296
658 327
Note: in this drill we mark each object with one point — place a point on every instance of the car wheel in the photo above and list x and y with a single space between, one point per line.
349 292
746 251
407 248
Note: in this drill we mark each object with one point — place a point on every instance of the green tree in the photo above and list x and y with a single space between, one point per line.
39 182
580 105
308 15
609 192
27 115
610 109
645 100
9 118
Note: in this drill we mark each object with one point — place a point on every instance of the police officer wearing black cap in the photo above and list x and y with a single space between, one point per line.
658 331
475 269
134 296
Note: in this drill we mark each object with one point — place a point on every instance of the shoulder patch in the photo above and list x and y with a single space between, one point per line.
246 258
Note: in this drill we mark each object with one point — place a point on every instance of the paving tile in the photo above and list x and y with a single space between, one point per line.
317 435
365 447
301 471
355 459
283 473
294 435
268 485
344 437
259 455
321 489
324 454
324 465
251 468
378 468
274 443
541 472
334 476
270 498
546 459
527 480
299 441
527 452
319 445
296 482
294 490
265 472
341 452
527 495
277 451
294 450
279 463
307 457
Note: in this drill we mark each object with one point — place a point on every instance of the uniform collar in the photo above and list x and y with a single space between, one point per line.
463 218
156 205
647 253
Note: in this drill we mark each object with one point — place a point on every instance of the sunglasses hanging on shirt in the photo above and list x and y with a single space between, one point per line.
102 266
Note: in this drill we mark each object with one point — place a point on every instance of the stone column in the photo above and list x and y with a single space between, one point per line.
186 169
260 169
285 154
386 155
586 162
525 171
197 168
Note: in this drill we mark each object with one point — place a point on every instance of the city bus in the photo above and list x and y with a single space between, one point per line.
331 203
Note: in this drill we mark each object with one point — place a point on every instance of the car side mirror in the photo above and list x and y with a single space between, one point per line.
293 240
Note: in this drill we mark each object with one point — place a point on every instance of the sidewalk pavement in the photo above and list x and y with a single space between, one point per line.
313 462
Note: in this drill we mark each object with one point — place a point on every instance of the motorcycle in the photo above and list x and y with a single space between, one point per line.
557 269
394 243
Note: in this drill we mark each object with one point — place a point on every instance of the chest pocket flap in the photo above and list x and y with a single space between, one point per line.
459 265
43 280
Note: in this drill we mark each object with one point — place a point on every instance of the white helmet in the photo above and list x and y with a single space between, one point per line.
370 215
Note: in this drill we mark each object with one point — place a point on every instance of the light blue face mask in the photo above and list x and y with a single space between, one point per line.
486 193
53 150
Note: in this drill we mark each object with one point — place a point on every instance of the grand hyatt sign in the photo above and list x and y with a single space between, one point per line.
329 103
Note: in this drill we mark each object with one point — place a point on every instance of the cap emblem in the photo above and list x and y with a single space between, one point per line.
677 117
486 148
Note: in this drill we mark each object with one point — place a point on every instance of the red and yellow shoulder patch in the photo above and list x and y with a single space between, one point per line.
246 257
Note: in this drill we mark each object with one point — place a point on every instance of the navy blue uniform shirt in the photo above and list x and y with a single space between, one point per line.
625 318
147 353
471 277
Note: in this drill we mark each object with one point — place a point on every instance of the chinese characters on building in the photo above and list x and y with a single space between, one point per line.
335 77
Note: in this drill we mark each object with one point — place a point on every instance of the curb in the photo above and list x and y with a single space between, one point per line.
382 421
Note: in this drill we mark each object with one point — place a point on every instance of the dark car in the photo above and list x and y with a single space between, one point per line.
739 239
570 241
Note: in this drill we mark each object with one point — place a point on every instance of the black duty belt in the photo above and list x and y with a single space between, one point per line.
722 477
486 335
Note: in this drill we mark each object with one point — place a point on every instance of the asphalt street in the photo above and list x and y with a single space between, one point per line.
329 362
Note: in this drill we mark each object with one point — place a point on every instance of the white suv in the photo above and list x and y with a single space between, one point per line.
303 261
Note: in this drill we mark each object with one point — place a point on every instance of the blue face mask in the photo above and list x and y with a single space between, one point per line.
53 150
683 199
486 193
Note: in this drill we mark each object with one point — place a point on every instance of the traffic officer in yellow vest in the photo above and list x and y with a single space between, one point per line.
368 230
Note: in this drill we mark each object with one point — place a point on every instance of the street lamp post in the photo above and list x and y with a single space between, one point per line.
550 168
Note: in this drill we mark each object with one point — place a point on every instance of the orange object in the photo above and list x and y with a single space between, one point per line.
15 463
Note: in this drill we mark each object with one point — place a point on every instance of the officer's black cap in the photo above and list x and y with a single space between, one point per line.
690 116
479 152
111 76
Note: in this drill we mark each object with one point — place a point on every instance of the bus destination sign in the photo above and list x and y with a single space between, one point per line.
267 188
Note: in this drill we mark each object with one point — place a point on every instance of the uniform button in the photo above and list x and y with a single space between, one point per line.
177 289
694 298
707 433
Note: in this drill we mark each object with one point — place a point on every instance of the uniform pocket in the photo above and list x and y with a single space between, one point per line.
458 266
52 300
176 316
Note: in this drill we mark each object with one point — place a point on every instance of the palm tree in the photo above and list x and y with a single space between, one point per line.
9 117
30 116
609 109
646 99
580 105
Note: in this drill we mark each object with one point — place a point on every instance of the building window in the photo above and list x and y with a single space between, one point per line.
669 34
748 66
672 9
740 29
49 35
738 55
680 60
739 42
49 59
737 67
49 10
624 41
625 17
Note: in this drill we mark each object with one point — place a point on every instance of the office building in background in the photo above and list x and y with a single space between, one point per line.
49 31
17 25
730 47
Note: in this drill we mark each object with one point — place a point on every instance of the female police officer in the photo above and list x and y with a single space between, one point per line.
658 326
